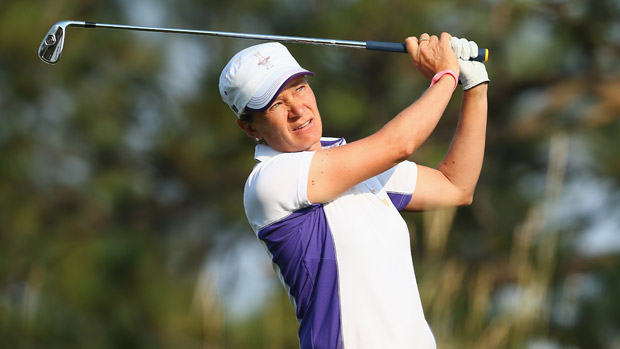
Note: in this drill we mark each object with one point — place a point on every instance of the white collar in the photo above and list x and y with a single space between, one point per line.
263 152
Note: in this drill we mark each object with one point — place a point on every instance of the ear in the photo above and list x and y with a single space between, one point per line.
249 129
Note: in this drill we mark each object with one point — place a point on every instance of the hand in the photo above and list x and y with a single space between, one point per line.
472 73
431 54
463 48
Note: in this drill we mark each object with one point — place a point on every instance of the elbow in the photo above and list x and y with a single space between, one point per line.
403 154
406 150
467 201
397 145
467 198
399 151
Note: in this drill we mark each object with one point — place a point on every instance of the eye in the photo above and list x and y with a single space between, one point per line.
274 106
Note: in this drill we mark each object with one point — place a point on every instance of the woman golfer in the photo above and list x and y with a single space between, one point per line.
327 211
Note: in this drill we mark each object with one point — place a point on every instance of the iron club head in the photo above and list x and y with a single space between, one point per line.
52 44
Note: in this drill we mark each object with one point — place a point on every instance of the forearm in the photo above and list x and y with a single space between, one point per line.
463 162
406 132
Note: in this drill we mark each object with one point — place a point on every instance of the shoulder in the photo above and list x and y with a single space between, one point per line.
279 170
276 187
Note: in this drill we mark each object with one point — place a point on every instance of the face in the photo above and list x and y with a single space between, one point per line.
292 122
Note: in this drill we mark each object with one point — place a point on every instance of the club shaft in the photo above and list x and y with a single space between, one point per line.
279 38
369 45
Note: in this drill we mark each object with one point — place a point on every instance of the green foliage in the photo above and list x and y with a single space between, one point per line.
122 172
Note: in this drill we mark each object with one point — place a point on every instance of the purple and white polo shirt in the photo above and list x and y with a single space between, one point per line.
346 264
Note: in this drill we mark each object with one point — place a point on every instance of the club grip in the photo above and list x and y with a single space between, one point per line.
483 53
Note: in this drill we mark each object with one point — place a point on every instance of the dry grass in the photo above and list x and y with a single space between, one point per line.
469 308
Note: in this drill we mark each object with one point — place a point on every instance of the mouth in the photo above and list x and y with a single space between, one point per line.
302 126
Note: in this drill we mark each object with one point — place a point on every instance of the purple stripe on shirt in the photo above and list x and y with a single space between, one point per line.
400 200
331 143
301 246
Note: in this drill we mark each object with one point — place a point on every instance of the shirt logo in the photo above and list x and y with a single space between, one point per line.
263 61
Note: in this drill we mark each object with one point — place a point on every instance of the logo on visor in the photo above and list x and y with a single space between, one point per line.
263 61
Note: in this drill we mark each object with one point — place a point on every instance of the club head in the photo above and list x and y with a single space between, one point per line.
52 44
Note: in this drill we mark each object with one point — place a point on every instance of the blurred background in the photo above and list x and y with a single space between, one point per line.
122 172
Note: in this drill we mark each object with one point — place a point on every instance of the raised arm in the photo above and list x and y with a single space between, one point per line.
335 170
453 182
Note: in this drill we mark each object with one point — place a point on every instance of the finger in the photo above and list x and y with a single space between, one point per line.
413 47
474 49
454 45
424 38
444 39
434 39
465 49
412 44
445 36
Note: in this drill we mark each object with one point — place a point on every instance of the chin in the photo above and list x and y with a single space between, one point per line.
316 145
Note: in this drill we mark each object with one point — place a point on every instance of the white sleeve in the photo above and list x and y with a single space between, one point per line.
277 188
400 182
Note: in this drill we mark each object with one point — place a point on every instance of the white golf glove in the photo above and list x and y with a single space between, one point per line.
463 48
472 73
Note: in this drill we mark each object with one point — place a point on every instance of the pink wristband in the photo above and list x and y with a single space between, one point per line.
442 73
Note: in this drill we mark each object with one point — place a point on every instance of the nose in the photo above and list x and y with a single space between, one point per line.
296 109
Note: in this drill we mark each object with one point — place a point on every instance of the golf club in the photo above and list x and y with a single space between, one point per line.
52 45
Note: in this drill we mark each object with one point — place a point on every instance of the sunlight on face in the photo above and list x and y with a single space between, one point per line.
292 122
